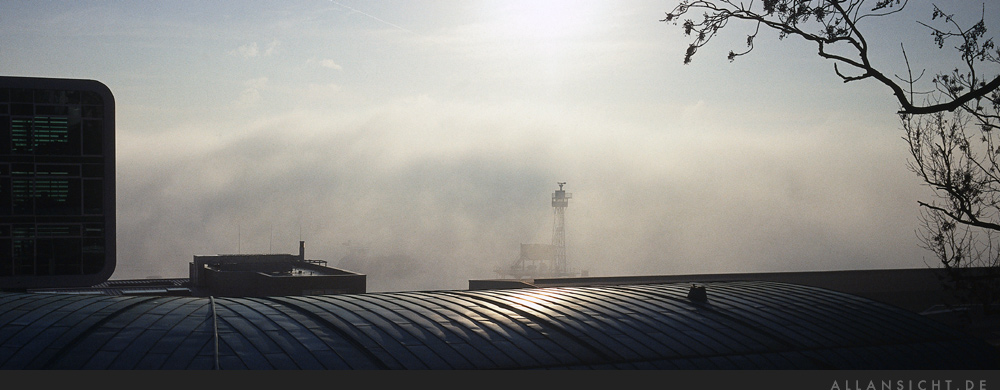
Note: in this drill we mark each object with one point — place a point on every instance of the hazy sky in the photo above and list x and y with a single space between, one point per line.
438 130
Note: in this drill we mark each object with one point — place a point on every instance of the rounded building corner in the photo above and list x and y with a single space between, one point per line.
57 182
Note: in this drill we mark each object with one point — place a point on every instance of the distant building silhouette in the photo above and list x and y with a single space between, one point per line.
269 275
545 260
240 275
57 183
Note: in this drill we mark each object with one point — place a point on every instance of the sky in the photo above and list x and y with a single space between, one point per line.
436 131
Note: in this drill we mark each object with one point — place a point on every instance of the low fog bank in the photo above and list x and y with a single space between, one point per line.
438 193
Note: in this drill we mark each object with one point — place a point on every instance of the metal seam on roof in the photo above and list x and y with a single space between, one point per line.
850 354
861 325
776 322
82 333
769 317
182 316
649 318
560 319
760 322
400 321
749 325
483 333
431 327
472 334
359 339
345 355
294 324
694 322
557 327
264 324
379 329
497 320
501 299
520 337
808 314
235 328
286 334
598 318
215 331
199 336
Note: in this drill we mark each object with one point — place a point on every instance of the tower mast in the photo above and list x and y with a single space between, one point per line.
560 200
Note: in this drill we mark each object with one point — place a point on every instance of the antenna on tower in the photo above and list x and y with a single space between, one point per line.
545 260
560 200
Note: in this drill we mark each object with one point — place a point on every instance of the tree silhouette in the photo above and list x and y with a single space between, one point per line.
951 126
833 26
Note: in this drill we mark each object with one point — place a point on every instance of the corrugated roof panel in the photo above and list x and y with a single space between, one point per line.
28 352
333 361
761 318
255 338
798 316
282 330
90 344
121 338
245 309
743 325
350 343
242 348
478 360
431 321
371 336
715 333
536 327
136 350
100 360
188 349
202 362
232 362
523 356
281 361
643 321
506 329
151 361
588 318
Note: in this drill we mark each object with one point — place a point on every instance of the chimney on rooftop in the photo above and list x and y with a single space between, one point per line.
697 293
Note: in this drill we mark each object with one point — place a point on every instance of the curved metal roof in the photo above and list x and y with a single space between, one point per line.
743 325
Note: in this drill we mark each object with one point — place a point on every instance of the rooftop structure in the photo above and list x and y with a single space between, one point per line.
269 275
734 325
239 275
925 291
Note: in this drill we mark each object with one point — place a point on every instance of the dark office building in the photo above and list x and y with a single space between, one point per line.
57 183
264 275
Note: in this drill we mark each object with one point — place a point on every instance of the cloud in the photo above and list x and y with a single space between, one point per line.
251 93
251 50
271 48
328 63
246 51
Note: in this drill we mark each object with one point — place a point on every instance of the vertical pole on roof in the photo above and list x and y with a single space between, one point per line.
215 331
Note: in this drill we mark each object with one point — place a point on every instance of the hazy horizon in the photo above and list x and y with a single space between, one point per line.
437 130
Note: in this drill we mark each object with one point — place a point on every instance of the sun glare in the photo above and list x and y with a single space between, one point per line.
546 20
